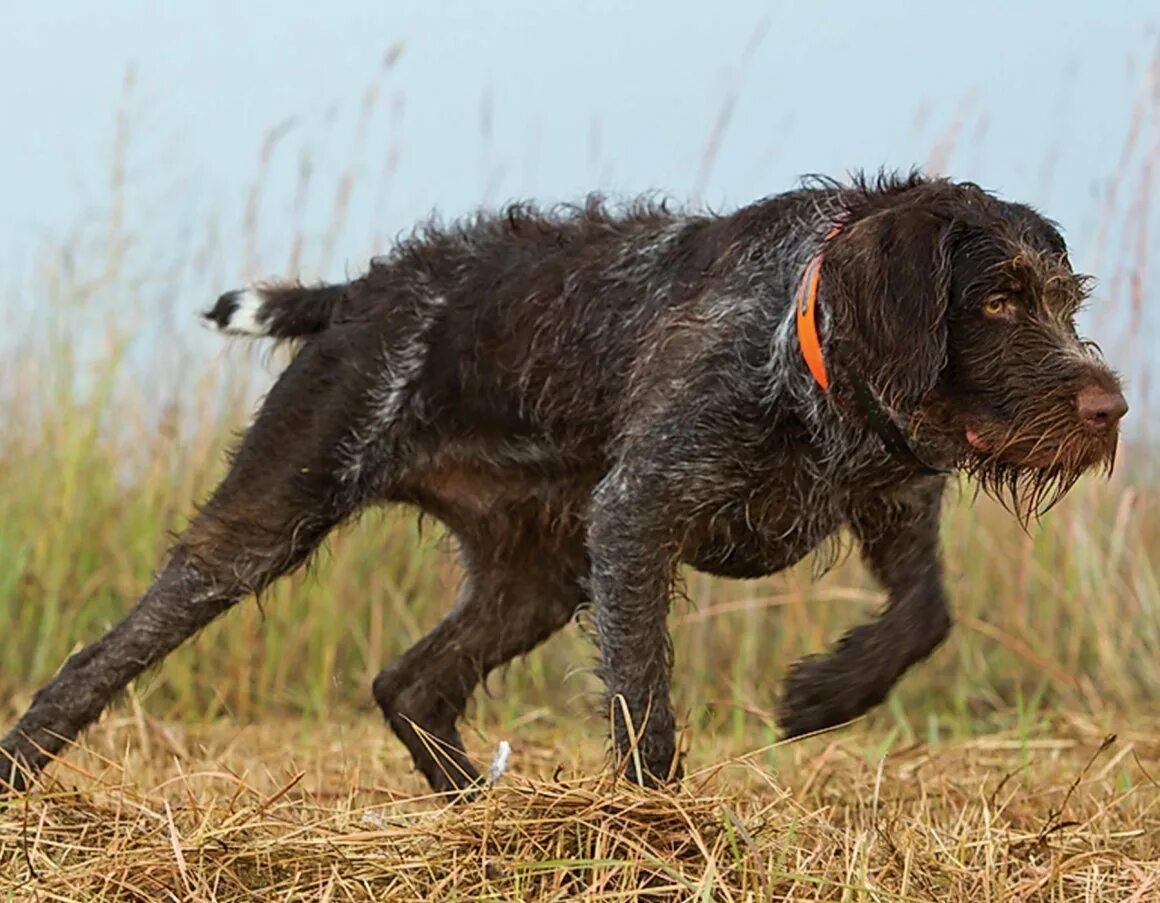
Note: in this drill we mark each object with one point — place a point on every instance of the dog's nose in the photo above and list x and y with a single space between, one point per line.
1100 409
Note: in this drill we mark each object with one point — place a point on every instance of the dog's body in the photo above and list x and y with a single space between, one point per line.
588 400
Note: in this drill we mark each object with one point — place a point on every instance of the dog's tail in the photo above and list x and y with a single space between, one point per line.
275 311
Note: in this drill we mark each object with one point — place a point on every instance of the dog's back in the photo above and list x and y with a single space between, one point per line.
529 325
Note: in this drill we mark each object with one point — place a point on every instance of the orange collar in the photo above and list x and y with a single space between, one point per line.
854 389
807 305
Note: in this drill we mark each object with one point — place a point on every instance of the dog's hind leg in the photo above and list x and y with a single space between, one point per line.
287 488
510 602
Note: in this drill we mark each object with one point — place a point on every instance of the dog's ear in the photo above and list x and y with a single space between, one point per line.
886 279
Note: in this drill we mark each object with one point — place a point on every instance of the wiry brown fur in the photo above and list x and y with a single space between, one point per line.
591 398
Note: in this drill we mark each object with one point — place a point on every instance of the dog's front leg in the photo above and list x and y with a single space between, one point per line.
633 561
901 548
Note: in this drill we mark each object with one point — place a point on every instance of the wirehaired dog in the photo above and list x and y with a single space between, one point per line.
590 399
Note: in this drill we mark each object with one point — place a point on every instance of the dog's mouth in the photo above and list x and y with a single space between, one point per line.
1029 470
977 442
1069 448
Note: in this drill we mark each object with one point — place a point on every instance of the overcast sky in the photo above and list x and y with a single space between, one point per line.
489 101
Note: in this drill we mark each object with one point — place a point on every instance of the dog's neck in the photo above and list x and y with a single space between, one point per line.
853 395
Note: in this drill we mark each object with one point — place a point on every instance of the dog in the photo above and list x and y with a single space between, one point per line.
590 398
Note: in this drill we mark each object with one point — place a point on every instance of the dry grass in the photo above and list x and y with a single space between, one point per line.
966 785
153 811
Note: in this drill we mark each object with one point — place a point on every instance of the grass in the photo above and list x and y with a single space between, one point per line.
1068 614
153 809
252 765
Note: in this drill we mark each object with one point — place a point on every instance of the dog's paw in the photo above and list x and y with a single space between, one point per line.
15 775
816 696
653 766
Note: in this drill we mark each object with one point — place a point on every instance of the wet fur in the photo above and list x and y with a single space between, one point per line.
589 398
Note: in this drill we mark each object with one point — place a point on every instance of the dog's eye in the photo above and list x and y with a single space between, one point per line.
1001 308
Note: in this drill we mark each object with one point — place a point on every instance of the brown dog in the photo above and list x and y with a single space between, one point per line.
589 400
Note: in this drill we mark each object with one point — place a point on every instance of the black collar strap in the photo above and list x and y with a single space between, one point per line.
870 408
875 415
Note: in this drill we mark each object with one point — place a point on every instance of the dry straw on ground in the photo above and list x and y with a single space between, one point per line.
282 811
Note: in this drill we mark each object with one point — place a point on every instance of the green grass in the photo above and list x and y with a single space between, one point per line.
116 427
91 492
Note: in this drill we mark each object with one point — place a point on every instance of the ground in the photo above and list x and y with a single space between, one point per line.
292 809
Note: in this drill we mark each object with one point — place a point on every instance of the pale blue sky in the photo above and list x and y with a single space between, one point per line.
584 95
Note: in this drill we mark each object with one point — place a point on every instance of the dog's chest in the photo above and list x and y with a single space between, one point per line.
757 536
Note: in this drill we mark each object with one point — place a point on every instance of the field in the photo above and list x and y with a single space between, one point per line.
1052 810
1018 763
1021 762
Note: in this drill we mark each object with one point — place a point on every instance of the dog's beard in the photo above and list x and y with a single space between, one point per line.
1028 493
1029 470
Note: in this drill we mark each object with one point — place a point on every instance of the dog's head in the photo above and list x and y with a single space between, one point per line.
959 309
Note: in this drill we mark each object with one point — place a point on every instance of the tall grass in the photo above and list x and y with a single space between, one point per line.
107 448
1067 613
